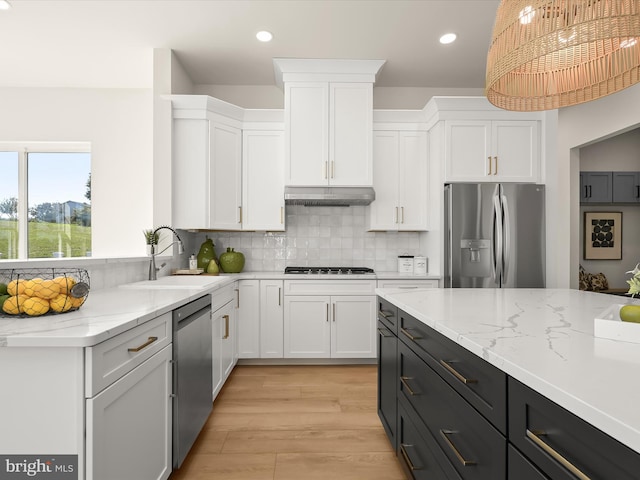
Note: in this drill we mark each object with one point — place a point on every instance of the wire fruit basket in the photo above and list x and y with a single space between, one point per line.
33 292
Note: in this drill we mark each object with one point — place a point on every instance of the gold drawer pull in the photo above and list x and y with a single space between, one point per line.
144 345
385 314
385 333
226 327
405 455
406 332
406 385
535 438
445 434
457 374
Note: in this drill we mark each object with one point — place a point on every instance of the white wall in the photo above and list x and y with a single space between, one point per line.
580 126
118 123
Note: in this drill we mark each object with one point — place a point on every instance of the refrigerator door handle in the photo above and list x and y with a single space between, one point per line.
497 239
507 238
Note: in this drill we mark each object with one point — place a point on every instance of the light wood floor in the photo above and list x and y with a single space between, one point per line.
294 423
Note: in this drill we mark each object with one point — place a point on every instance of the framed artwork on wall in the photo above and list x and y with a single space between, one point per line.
602 235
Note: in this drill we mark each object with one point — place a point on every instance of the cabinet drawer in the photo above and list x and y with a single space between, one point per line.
408 283
388 315
221 297
519 468
480 383
418 452
473 446
113 358
326 286
558 442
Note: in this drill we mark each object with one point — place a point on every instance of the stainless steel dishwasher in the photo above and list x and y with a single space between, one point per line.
192 374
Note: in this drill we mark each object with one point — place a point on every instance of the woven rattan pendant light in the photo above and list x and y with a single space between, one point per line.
556 53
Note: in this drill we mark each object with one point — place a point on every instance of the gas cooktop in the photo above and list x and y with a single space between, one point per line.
329 270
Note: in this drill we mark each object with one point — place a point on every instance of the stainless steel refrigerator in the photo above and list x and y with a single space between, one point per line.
494 235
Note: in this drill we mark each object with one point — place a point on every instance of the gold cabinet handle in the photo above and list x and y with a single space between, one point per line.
237 290
396 220
282 215
489 171
457 374
495 170
445 434
327 312
144 345
333 169
240 208
326 169
402 214
406 332
406 385
333 306
279 296
385 314
226 327
405 455
385 333
534 436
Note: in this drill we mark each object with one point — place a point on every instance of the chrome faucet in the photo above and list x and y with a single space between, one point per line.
153 270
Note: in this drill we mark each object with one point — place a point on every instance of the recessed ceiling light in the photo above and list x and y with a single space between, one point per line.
448 38
264 36
5 5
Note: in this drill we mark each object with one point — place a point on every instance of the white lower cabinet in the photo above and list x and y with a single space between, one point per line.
129 424
224 337
271 319
248 318
341 326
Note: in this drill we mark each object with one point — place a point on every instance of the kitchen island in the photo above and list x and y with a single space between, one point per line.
541 338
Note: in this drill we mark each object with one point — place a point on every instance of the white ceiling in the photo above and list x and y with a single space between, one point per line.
109 43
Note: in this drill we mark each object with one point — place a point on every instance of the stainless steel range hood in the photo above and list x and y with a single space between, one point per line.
329 196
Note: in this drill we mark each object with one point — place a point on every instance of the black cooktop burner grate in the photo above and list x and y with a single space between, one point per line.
329 270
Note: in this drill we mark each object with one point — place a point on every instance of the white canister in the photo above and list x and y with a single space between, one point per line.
405 264
420 266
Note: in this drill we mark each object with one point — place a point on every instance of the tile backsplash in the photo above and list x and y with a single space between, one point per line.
315 236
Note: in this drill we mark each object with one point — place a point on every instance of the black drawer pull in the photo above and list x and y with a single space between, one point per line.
406 332
405 455
406 385
385 333
385 314
534 436
457 374
445 434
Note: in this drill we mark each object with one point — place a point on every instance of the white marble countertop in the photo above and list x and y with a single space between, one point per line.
104 314
543 338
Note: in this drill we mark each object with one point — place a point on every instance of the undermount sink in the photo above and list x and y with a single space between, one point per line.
178 281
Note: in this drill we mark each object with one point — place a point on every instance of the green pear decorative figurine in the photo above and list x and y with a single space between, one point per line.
206 254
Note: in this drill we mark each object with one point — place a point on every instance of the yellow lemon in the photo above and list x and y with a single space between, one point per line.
30 285
15 287
61 303
630 313
35 306
76 302
14 305
47 289
65 283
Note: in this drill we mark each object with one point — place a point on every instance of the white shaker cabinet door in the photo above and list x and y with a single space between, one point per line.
271 319
129 424
413 184
263 180
248 323
225 181
384 211
467 150
353 322
228 339
307 327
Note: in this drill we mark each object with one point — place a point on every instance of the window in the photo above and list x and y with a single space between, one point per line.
45 201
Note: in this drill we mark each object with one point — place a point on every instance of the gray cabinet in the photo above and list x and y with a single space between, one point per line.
596 187
626 187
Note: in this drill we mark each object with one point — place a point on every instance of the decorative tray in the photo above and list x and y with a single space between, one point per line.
608 325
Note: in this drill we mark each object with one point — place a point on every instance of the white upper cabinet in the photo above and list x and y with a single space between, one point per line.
206 167
400 181
328 121
329 129
504 150
263 180
477 142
